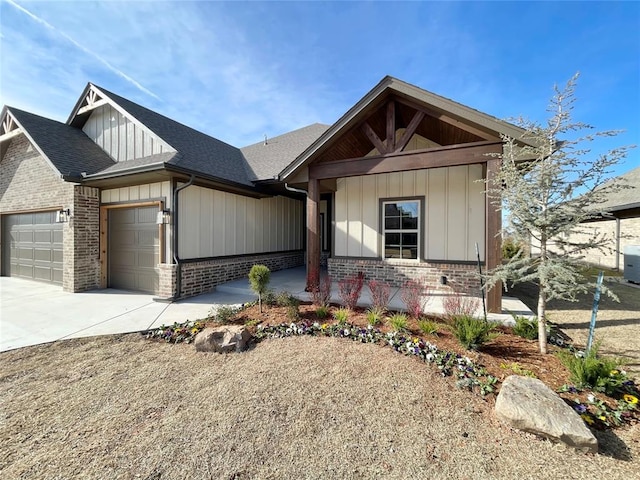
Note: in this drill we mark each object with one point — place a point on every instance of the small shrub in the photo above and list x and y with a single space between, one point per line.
252 322
259 277
284 299
459 305
269 298
350 289
322 312
398 322
341 315
510 248
224 314
293 309
428 327
526 328
471 332
380 292
587 370
321 293
414 296
518 370
374 316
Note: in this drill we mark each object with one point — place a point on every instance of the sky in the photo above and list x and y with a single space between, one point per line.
240 70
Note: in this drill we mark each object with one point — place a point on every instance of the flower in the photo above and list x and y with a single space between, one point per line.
587 419
603 418
591 398
580 408
613 372
632 399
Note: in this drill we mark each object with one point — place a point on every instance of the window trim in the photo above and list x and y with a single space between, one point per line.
420 230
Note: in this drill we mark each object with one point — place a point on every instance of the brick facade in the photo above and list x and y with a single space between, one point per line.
460 277
203 276
29 183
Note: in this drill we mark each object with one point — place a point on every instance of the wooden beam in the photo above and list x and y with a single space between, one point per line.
493 254
9 135
391 126
450 120
313 233
373 137
449 156
104 225
92 106
409 131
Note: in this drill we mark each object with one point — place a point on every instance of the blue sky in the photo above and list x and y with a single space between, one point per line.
240 70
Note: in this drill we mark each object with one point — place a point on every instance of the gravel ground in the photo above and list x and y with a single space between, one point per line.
124 407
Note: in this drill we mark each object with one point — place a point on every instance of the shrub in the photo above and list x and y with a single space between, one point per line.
341 315
224 314
459 305
413 296
428 327
587 370
259 277
526 328
380 292
471 332
284 299
350 289
510 248
293 309
374 316
269 298
321 293
398 322
322 312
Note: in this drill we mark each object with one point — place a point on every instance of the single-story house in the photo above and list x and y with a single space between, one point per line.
121 196
621 226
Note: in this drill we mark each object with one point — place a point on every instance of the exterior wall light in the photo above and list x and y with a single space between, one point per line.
63 215
163 217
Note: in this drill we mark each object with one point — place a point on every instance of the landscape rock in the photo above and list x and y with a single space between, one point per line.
224 339
528 404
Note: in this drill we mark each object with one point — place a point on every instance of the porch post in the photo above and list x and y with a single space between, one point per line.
493 254
313 233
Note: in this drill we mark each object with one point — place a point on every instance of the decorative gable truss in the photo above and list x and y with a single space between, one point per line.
9 128
113 129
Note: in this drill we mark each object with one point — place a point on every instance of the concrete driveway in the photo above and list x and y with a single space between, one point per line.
32 313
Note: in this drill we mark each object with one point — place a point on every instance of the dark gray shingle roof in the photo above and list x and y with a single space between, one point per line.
266 161
625 197
67 147
198 152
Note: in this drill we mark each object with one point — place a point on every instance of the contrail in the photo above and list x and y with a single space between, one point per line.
83 48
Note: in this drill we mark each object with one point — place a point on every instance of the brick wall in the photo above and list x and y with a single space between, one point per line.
461 277
203 276
28 182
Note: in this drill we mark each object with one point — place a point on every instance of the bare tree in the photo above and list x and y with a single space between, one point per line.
550 183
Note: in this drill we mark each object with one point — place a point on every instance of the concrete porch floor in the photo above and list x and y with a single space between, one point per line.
293 280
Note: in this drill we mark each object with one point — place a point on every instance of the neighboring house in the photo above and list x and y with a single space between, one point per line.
120 196
621 226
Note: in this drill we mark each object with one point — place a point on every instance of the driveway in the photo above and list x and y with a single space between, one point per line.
32 313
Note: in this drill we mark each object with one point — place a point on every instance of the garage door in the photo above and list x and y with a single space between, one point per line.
133 249
32 246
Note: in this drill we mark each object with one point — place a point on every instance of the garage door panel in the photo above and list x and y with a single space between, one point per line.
133 249
33 246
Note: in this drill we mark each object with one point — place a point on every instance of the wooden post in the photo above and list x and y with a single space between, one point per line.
493 248
313 233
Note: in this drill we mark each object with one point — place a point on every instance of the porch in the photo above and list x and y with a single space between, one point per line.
294 280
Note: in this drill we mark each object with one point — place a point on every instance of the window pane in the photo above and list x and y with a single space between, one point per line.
410 239
409 209
392 239
392 252
409 223
411 253
392 223
391 209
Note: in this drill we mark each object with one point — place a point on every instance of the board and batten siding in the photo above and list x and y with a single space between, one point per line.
453 222
120 137
214 224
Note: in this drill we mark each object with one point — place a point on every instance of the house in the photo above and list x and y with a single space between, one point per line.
121 196
621 226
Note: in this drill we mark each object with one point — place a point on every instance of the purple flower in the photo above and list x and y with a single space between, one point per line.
580 408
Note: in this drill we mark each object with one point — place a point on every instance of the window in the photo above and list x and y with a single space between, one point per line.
400 229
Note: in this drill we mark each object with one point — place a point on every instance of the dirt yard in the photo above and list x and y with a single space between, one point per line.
617 325
124 407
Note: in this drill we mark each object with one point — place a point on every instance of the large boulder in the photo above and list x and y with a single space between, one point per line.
528 404
227 338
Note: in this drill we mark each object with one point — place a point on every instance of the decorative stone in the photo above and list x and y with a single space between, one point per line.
528 404
227 338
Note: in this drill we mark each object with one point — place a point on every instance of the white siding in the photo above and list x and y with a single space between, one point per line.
452 222
214 223
121 138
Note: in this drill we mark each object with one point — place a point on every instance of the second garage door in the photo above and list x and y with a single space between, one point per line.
32 246
133 249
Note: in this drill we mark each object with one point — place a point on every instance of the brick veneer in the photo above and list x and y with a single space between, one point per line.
28 182
462 277
203 276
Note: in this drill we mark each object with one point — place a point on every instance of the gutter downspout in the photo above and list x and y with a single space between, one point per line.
617 244
296 190
174 236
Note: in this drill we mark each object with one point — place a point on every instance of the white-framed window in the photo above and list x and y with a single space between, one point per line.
401 229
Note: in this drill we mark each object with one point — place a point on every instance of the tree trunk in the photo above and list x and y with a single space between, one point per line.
542 320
